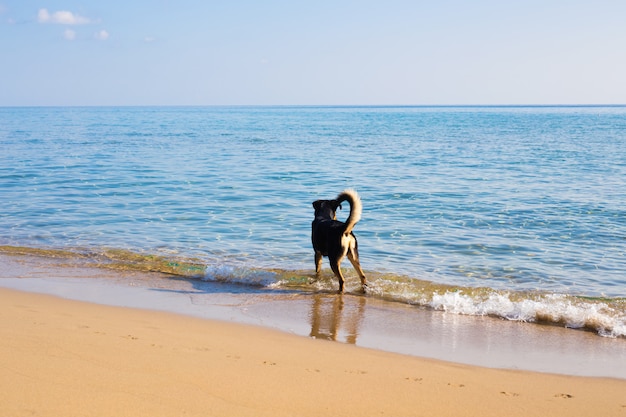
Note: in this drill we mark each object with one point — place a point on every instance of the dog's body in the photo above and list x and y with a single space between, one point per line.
333 238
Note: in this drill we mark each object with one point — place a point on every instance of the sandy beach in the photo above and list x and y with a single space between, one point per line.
70 358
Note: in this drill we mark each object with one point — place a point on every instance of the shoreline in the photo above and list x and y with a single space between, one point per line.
66 357
349 319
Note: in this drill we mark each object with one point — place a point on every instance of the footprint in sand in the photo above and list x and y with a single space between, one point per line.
450 384
357 371
563 396
509 394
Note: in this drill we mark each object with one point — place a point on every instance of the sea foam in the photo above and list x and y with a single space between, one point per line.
549 308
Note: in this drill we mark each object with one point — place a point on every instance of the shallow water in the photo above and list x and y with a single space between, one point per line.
515 212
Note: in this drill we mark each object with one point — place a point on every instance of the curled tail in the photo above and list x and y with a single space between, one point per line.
353 198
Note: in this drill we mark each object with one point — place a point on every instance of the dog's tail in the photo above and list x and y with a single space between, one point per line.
356 207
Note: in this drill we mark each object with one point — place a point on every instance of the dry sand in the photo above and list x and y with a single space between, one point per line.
67 358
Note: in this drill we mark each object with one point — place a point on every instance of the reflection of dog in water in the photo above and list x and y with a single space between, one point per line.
330 321
334 238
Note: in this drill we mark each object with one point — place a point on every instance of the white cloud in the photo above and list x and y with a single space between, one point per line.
69 34
149 39
61 17
102 35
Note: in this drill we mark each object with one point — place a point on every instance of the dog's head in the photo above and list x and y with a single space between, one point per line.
326 209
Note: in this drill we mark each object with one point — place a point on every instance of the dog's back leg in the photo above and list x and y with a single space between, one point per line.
335 265
318 262
353 256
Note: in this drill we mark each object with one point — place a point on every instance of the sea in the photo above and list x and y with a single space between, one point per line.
513 212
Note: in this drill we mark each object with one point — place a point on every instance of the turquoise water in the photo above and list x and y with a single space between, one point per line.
516 212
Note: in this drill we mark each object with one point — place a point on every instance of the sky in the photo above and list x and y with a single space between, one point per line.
291 52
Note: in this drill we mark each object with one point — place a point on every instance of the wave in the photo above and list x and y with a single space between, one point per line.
120 259
604 315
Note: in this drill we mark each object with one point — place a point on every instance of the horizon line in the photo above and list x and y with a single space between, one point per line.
311 105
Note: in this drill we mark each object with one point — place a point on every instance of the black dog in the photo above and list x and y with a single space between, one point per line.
335 239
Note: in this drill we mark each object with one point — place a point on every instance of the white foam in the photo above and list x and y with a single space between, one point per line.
554 308
239 275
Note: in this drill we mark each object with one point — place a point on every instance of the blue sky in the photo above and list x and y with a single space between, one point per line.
203 52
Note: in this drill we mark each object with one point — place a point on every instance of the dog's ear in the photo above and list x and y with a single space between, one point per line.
336 204
317 204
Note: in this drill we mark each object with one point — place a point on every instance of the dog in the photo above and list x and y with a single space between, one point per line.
333 238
